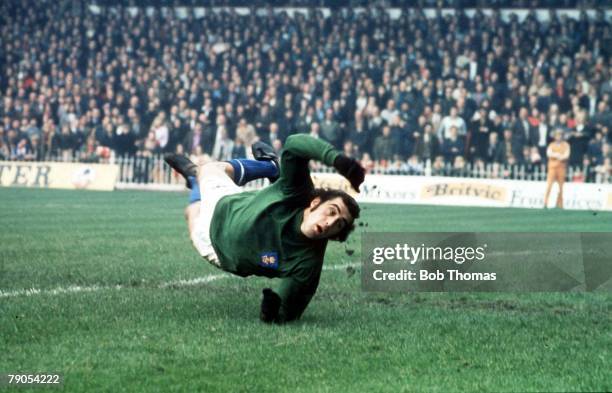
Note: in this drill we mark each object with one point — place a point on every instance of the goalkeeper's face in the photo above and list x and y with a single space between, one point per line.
323 220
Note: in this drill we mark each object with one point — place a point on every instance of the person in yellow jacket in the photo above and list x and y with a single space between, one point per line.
558 153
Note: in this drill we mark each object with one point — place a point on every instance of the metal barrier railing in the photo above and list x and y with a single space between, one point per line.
152 170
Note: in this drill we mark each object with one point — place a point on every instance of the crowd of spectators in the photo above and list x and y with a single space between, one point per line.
448 90
361 3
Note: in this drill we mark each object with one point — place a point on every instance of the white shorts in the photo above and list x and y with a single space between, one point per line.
213 186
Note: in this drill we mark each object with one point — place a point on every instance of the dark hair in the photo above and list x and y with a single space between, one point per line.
350 202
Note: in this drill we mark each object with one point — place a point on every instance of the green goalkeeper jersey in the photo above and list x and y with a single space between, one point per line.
258 233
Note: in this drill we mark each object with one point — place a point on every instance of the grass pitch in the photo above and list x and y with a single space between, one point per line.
131 325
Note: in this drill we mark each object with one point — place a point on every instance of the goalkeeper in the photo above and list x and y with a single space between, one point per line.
280 231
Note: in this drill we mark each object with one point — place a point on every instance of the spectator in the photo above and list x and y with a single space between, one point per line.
277 145
177 131
22 151
403 141
263 120
348 149
90 152
415 166
5 153
248 132
224 146
383 145
453 146
603 116
305 119
150 146
452 120
428 145
438 167
367 162
509 149
492 153
459 168
238 149
31 129
330 129
375 121
523 133
195 138
531 162
161 132
603 172
65 141
397 166
123 140
595 150
480 128
315 130
359 134
579 136
390 112
542 135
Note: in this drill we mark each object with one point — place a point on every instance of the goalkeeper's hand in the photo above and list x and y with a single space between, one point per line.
351 169
270 305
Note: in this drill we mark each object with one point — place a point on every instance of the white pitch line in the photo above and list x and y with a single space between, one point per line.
168 284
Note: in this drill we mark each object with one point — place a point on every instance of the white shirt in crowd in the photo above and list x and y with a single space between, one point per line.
542 134
449 121
162 135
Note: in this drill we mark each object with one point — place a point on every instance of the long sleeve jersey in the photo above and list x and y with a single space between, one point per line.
258 233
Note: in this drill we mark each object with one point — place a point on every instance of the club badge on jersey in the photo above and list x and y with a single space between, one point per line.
269 260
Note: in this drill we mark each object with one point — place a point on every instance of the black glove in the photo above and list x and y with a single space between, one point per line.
270 305
351 169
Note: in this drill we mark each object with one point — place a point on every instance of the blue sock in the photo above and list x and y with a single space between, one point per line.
246 170
194 196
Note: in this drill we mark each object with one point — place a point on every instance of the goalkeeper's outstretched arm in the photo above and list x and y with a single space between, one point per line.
301 148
